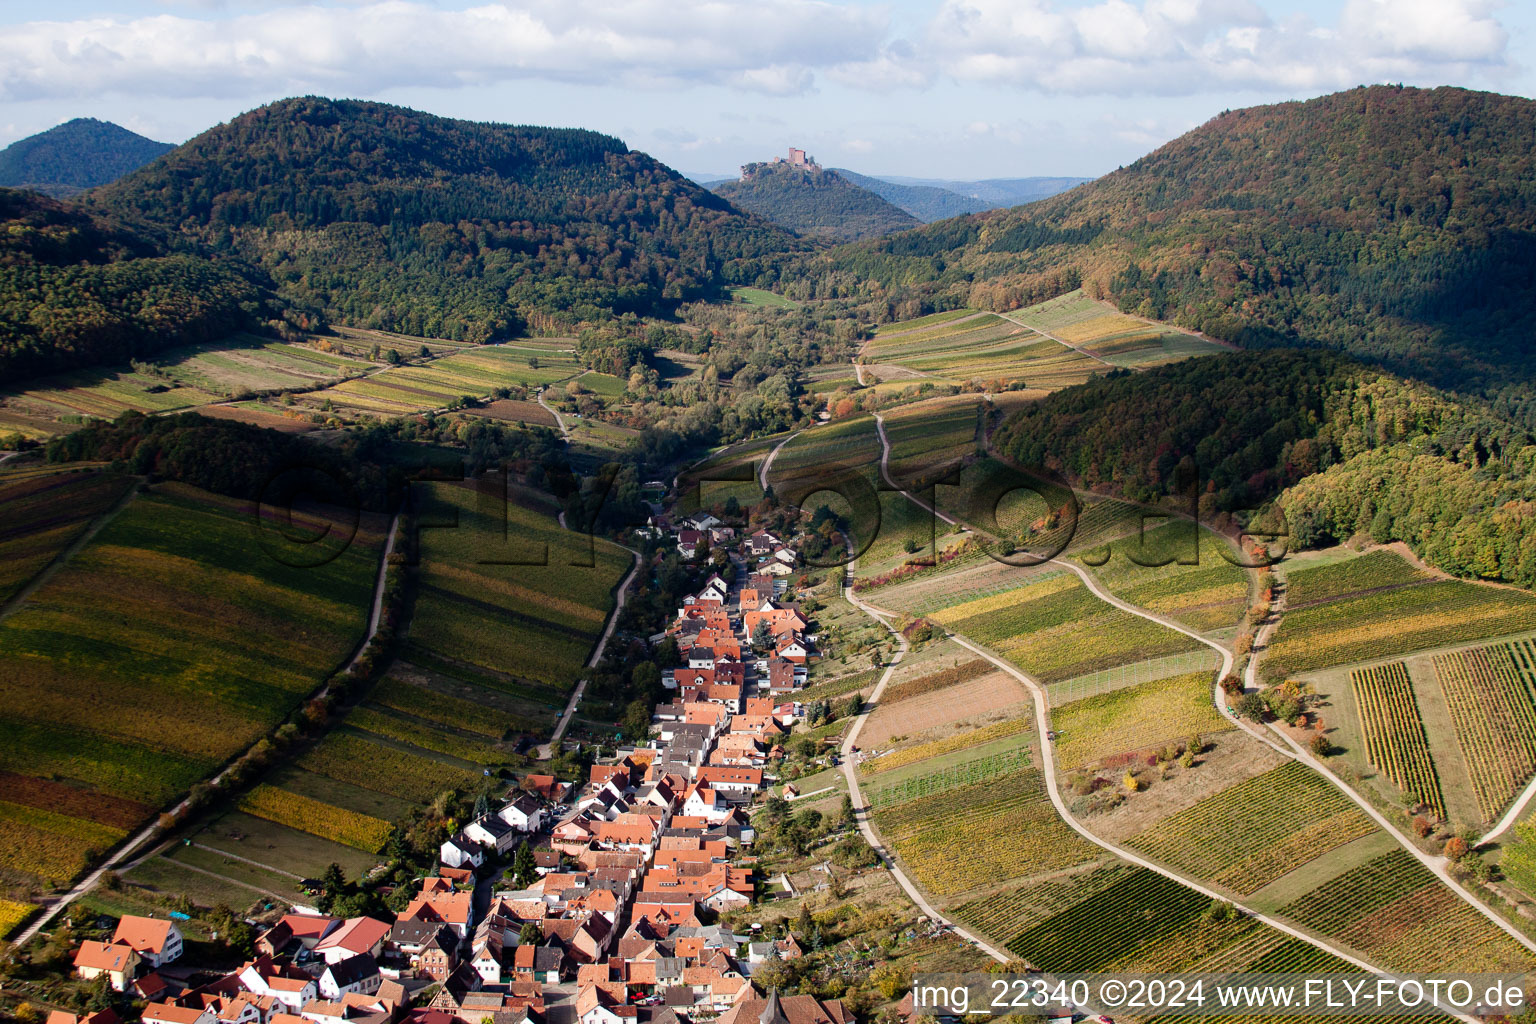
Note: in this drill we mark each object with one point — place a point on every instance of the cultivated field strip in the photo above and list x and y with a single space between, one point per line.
1395 741
1489 696
1393 910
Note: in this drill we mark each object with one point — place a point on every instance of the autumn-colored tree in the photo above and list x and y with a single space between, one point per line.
1320 745
1421 827
1455 848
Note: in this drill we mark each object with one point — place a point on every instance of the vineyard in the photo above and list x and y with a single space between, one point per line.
1196 585
1005 824
478 715
1005 913
352 758
1394 734
42 513
440 739
1350 577
1139 909
473 372
964 774
1202 659
349 828
1395 911
1057 629
1391 623
50 846
1252 833
174 604
982 348
1111 335
1490 695
13 916
1143 717
939 680
937 748
543 618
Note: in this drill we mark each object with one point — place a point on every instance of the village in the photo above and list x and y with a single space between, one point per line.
621 879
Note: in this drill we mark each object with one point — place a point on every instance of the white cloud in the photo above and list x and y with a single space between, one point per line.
1180 47
772 46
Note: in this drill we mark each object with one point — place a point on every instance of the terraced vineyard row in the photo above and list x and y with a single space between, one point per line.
1006 913
1252 833
1387 624
1490 702
1137 911
1395 741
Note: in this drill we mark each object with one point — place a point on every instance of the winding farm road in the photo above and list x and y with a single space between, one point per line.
861 811
559 420
1289 749
762 474
547 750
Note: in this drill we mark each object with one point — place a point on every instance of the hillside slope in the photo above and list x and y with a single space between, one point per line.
1345 447
1396 224
74 156
390 218
815 202
78 289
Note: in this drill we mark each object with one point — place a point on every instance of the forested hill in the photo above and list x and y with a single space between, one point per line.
74 156
386 217
79 289
1396 224
1343 447
815 202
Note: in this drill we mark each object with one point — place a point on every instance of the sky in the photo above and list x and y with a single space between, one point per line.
958 89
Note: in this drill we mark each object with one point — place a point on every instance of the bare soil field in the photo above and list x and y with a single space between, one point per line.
931 714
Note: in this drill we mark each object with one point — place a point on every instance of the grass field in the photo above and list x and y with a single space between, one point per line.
1379 607
761 297
519 594
41 514
173 605
1111 335
1252 833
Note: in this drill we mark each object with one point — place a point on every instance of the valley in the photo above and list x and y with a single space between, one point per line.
483 538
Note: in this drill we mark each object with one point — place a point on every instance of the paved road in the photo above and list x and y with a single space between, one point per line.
559 420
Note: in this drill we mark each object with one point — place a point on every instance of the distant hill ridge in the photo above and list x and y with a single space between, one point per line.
811 200
75 156
1396 224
